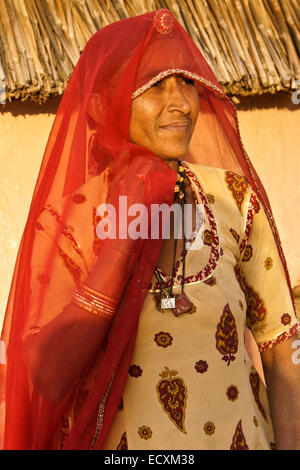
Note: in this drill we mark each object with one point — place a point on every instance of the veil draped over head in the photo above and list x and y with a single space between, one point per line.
60 246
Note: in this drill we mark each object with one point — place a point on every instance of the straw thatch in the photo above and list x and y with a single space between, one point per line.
253 46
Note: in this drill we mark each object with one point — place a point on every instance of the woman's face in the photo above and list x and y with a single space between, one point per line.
163 117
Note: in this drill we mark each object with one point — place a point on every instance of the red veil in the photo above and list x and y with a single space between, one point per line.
59 246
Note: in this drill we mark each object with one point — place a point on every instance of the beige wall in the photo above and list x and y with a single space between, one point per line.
271 138
269 133
24 130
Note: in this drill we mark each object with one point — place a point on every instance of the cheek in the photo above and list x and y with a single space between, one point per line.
141 121
135 121
195 104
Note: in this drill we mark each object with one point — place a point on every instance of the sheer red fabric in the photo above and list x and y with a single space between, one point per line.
59 246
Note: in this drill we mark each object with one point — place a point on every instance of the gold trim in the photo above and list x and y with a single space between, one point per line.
100 413
165 73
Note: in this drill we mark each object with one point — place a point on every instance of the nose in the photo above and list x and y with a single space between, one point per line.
176 97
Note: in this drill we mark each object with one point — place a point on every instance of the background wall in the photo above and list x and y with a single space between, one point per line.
24 130
269 133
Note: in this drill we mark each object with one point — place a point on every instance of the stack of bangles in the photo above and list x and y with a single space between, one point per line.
94 302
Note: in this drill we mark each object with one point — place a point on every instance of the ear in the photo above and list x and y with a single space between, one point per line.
95 107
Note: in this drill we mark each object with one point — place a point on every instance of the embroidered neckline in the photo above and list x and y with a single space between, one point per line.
211 265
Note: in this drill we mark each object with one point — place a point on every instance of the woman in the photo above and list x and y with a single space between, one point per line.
144 117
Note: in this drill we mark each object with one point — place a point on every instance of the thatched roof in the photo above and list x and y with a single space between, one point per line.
253 46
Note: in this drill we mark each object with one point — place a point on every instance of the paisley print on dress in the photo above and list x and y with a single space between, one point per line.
255 385
226 336
256 309
123 445
238 187
211 281
172 395
249 221
239 440
235 235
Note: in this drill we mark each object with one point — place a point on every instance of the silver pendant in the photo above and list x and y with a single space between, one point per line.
167 302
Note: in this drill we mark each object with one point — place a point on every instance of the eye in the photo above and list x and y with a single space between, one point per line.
187 80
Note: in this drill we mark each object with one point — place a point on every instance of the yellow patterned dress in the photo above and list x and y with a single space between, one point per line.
191 384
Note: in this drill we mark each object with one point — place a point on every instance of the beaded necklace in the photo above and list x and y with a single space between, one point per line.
178 304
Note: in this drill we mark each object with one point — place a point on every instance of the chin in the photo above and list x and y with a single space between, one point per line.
177 152
172 154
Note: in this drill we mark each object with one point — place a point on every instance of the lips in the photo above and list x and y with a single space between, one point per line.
176 126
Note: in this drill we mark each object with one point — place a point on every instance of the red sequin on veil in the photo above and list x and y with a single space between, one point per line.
163 21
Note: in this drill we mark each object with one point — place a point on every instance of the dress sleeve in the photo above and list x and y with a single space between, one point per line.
270 311
52 284
60 259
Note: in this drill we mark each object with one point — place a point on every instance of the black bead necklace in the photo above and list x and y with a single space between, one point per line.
179 304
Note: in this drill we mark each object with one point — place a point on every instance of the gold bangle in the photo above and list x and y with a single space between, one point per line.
97 294
92 307
94 302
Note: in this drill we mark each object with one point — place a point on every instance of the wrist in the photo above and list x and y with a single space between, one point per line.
94 301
